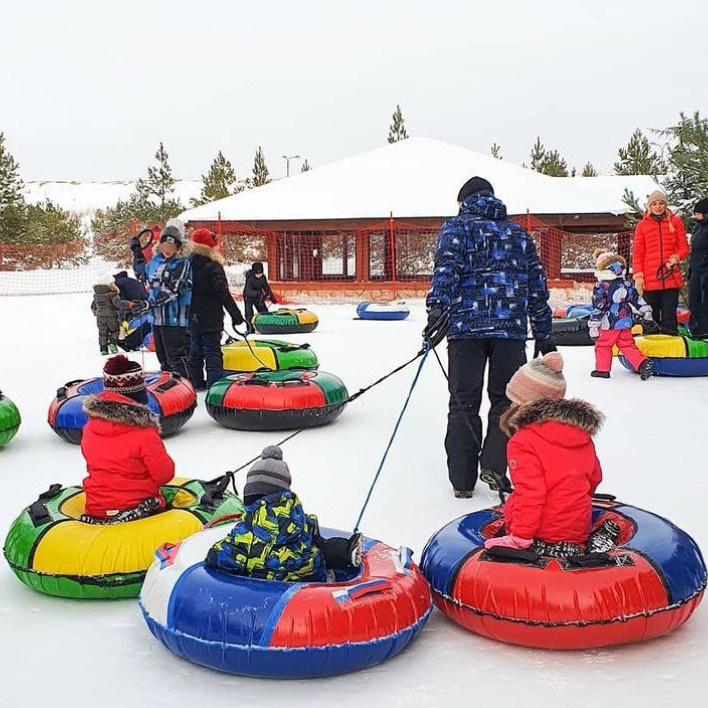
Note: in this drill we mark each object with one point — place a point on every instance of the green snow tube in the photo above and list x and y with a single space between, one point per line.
285 321
9 419
274 354
50 550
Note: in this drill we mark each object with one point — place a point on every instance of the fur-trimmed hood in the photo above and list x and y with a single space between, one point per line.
114 408
211 253
571 411
105 288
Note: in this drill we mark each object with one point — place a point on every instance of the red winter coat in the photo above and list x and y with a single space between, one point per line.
654 243
125 456
554 470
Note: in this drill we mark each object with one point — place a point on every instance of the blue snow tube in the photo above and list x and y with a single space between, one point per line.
382 311
579 311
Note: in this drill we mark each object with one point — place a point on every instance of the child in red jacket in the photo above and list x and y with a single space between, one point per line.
552 462
125 457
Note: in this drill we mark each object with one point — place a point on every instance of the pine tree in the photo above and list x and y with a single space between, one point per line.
219 182
157 188
261 175
397 129
13 210
638 158
495 151
306 167
538 154
553 165
687 177
589 170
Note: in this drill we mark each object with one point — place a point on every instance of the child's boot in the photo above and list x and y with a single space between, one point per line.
646 369
104 351
112 348
600 374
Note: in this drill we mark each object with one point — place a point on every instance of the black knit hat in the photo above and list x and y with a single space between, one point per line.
701 207
257 267
472 186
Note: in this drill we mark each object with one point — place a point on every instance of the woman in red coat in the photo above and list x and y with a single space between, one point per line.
659 246
125 456
552 462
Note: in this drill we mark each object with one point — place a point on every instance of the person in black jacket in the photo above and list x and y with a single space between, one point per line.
698 272
210 297
129 288
255 291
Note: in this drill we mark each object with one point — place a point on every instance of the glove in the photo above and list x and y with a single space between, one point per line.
594 331
639 282
544 346
135 246
436 329
508 542
647 314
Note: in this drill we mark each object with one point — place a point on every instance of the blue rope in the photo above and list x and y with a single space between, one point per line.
393 435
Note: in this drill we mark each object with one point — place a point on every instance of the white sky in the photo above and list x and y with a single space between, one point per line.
88 88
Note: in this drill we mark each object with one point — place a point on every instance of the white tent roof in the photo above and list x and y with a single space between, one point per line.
418 177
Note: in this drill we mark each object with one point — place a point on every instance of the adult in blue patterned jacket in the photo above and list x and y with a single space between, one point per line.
168 278
490 282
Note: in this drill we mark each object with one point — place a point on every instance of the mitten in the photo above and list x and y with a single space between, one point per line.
544 346
594 330
135 246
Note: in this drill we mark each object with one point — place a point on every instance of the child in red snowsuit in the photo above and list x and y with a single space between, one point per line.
125 457
552 462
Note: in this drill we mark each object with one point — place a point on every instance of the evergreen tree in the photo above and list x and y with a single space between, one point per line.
538 154
397 129
495 151
154 193
687 176
629 199
260 170
638 158
219 182
13 210
553 165
306 167
589 170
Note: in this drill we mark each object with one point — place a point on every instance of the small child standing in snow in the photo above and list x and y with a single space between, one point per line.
276 539
255 291
552 463
614 299
106 307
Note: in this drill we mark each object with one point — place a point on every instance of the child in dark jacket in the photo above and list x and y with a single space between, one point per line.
552 462
276 540
255 291
125 457
106 307
614 300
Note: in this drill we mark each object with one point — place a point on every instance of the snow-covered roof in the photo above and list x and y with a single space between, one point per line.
418 177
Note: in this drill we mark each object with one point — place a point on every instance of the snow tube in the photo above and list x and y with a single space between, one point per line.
272 354
571 331
139 335
577 310
276 400
683 314
9 420
170 397
648 585
285 321
50 550
283 630
382 310
673 356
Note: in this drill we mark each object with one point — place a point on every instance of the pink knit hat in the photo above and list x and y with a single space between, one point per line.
540 378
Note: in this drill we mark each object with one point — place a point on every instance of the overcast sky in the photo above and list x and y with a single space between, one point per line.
88 89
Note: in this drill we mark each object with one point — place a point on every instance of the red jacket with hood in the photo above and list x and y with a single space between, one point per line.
554 470
655 241
125 456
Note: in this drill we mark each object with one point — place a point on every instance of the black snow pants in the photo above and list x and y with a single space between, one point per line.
249 303
663 305
698 301
468 360
172 349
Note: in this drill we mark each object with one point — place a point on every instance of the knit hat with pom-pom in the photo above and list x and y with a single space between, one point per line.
121 375
268 475
540 378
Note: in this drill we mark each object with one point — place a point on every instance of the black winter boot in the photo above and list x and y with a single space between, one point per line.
646 369
600 374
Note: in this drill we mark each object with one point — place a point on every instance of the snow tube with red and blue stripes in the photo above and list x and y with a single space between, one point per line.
648 585
275 629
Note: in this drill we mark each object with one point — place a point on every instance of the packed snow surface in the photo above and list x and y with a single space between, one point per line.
652 449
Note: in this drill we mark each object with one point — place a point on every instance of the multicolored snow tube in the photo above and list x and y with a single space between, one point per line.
273 354
648 585
138 334
276 400
9 420
673 356
283 630
170 396
382 311
285 321
53 552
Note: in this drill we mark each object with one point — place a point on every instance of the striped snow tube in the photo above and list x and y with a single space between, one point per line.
285 321
284 630
673 355
50 550
648 585
240 356
172 398
9 419
276 400
382 311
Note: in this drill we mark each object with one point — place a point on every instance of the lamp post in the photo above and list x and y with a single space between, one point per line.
287 159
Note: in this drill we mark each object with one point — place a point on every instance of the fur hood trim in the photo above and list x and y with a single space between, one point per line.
122 413
571 411
102 288
607 275
211 253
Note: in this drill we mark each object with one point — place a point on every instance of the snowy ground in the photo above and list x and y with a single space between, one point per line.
652 449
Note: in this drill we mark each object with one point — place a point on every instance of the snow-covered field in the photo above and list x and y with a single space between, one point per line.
64 651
